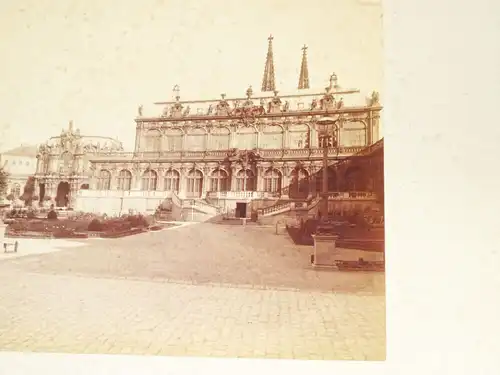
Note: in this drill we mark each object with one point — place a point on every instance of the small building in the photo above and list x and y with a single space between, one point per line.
20 163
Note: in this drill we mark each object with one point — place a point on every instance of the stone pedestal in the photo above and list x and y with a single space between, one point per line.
325 253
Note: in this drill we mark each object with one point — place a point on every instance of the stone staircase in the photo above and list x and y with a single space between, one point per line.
192 209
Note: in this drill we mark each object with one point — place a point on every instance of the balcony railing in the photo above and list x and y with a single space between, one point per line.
221 154
238 194
275 209
124 193
351 195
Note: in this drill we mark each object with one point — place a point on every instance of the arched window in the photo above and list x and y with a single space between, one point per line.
272 137
196 139
300 183
149 179
173 138
104 180
124 180
272 181
246 138
220 139
16 190
219 180
298 136
153 141
353 134
172 180
194 183
245 180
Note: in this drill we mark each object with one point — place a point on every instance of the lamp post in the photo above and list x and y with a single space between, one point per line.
327 128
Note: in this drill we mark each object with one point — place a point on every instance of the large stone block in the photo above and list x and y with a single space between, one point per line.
325 250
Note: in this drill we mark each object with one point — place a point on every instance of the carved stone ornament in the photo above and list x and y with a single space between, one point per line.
375 99
223 108
176 110
328 101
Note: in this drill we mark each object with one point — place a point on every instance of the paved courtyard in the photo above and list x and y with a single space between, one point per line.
201 290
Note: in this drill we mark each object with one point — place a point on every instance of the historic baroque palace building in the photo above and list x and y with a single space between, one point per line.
216 153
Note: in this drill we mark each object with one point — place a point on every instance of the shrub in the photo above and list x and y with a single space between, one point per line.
52 215
95 226
138 221
10 197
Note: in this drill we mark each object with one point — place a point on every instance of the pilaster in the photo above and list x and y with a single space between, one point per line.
182 181
206 180
234 170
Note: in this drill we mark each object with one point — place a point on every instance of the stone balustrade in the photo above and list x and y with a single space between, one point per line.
351 195
124 193
221 154
237 194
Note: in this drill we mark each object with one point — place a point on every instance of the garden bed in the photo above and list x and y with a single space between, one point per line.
84 228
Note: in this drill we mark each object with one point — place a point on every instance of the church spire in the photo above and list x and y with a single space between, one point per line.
268 79
304 71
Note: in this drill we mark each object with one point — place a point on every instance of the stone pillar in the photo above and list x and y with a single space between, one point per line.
182 181
234 170
259 183
136 178
137 138
160 182
285 182
313 138
325 254
73 190
37 187
206 181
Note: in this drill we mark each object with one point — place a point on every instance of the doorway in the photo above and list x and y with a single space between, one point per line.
62 197
42 192
241 210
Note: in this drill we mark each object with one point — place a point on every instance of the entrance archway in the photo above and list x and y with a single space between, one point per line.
62 197
42 191
300 183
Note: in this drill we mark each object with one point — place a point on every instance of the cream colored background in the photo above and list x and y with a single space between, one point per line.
95 61
442 137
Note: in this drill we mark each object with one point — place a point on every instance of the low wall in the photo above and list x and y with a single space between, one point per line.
117 205
189 214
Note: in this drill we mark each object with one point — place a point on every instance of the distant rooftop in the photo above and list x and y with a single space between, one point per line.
23 150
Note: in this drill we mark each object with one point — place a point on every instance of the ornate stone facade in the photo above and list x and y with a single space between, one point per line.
250 144
64 164
266 145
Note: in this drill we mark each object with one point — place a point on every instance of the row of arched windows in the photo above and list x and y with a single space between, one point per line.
272 137
219 180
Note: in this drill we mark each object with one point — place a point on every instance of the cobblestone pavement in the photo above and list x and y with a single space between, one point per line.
203 290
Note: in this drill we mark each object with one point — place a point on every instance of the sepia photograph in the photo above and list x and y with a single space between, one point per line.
193 178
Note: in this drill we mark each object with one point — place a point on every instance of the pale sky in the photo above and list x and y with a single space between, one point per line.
95 61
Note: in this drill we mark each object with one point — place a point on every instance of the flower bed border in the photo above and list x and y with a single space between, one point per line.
85 235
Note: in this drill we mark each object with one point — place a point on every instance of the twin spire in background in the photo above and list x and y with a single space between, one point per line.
268 81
